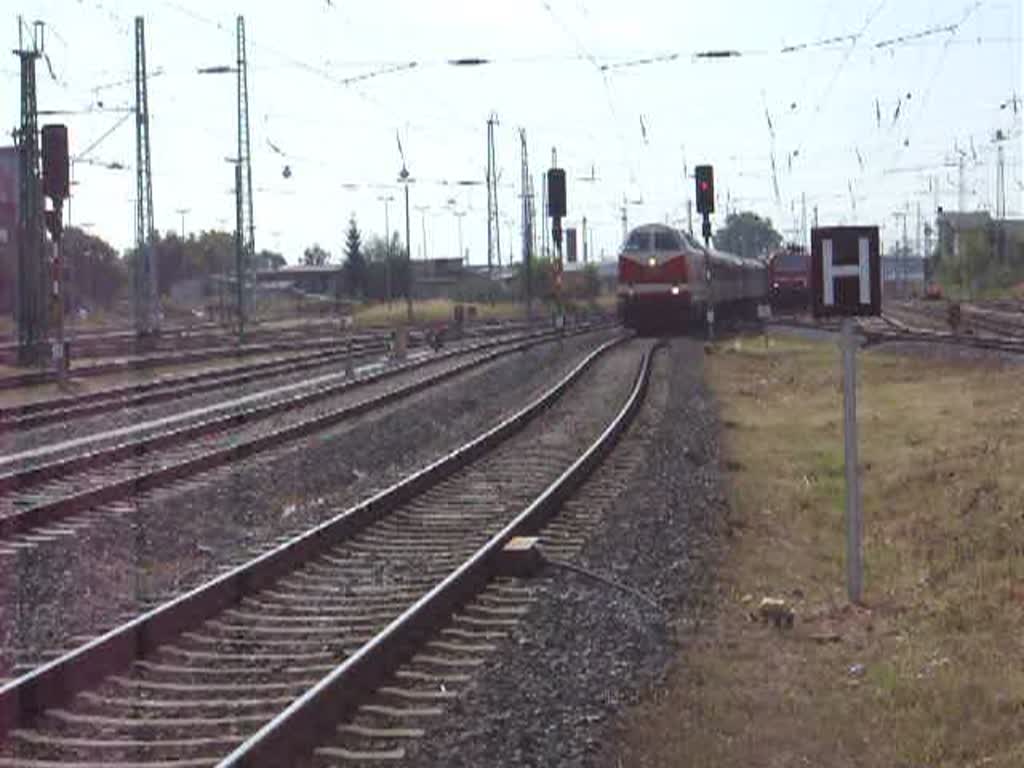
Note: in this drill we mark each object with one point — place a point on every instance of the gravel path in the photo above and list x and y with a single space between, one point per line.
550 695
176 537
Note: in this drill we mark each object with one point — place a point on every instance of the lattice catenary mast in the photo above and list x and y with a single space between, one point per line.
30 300
147 297
246 230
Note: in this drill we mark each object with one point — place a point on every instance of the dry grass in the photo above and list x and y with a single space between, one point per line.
431 311
942 450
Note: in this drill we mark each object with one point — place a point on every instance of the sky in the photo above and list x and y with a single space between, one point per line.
857 108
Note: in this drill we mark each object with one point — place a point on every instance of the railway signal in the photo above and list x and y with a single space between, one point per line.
705 176
556 210
56 186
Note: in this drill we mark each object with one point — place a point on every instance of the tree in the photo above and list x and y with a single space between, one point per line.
591 282
315 256
379 264
355 262
98 276
747 234
268 260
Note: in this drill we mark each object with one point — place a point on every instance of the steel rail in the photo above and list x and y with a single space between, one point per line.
18 416
40 413
51 511
54 683
339 693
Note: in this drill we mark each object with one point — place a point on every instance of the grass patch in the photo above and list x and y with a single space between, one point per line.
432 311
929 673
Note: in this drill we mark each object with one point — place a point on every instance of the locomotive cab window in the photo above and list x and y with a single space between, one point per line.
794 261
638 241
666 241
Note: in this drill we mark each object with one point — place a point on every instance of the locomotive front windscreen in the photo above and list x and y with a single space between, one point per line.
666 241
637 241
791 261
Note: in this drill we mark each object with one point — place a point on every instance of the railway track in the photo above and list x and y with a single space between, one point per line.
41 489
888 328
70 407
255 666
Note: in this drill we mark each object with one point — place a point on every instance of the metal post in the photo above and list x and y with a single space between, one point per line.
387 250
147 295
30 293
490 194
854 519
59 353
408 256
710 306
239 255
458 217
527 226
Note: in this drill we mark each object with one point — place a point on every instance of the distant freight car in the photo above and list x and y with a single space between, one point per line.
663 283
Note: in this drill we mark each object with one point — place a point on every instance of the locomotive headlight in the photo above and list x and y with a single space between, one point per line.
652 262
775 286
675 290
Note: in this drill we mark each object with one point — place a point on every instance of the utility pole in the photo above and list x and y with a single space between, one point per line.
423 225
147 296
803 220
30 299
961 188
901 261
527 195
689 216
584 238
1000 182
917 236
387 246
181 212
458 217
815 217
493 222
544 208
625 221
404 176
246 237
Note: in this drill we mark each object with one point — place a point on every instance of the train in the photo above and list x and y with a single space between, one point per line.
790 274
662 281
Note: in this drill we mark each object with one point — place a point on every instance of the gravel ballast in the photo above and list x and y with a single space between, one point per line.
550 694
170 540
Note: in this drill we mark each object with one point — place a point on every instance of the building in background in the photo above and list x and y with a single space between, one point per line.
8 223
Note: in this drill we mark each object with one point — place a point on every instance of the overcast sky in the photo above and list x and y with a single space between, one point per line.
862 127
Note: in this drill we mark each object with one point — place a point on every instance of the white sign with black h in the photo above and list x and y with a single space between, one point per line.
861 270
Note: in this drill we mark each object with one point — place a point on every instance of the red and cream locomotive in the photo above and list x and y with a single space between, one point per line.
663 280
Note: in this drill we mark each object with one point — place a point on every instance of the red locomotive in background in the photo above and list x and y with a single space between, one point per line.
789 274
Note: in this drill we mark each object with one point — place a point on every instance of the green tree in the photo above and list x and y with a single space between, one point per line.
378 264
268 260
747 234
315 256
591 282
98 276
355 262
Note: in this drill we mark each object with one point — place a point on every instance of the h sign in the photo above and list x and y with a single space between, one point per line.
845 271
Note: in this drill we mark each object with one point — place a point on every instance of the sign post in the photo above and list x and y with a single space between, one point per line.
854 512
846 281
704 176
